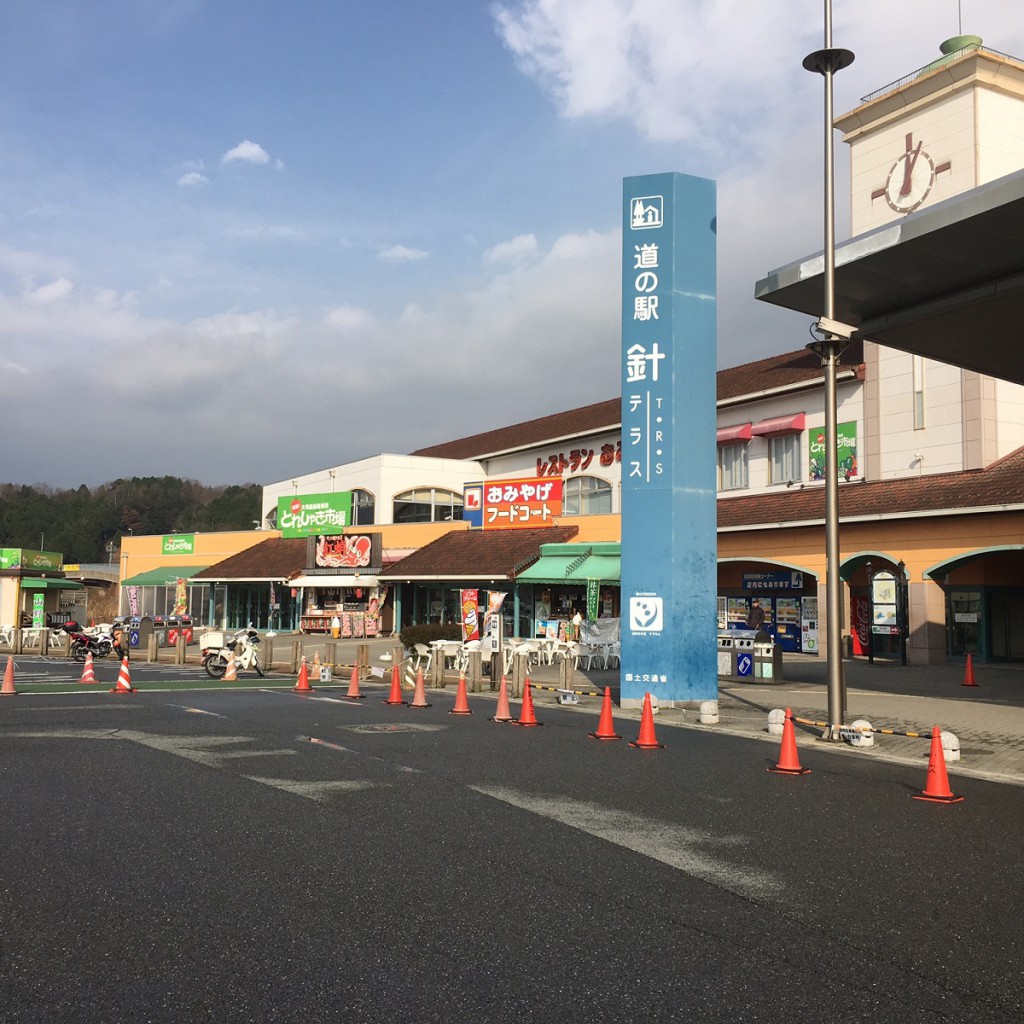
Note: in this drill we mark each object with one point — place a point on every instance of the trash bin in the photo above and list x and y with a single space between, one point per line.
139 629
743 641
726 655
768 661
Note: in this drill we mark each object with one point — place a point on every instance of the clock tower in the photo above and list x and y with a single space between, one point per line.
947 128
950 126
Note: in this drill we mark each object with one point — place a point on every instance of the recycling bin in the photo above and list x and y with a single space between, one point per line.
743 641
139 629
726 655
768 661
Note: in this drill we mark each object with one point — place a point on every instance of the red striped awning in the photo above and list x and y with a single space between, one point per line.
780 425
726 435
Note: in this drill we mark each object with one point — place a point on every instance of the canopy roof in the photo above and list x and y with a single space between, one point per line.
165 576
946 282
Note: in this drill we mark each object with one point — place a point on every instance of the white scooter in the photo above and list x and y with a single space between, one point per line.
216 650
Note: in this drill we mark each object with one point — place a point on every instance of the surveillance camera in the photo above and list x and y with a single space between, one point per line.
836 328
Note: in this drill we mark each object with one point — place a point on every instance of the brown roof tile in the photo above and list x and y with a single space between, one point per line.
1002 483
276 558
496 554
764 374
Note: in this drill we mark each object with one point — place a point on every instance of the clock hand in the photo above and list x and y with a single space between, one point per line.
908 169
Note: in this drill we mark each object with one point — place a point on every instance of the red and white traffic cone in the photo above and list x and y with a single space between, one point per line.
231 671
353 686
419 699
504 713
124 679
88 672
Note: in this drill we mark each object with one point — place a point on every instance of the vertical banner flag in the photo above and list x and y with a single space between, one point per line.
468 600
669 509
593 594
493 621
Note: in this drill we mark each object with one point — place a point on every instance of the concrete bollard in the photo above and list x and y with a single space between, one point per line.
776 721
709 712
950 746
859 734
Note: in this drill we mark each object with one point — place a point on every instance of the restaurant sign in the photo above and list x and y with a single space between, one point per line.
517 504
306 515
23 558
356 551
178 544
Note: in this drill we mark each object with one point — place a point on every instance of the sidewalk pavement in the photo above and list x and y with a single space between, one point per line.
988 719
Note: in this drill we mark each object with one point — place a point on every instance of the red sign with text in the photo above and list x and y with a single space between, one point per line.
517 504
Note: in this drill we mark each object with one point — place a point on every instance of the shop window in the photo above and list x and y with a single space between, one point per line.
784 458
363 507
427 505
586 496
732 466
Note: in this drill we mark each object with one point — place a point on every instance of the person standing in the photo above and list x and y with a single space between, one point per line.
755 619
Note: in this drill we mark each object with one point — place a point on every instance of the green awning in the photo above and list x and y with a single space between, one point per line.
606 568
165 576
575 563
38 583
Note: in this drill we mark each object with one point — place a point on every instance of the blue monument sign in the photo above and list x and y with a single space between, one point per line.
669 541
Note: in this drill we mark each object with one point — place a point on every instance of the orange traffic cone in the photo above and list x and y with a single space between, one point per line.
316 664
9 690
419 698
124 679
302 685
789 761
88 672
969 672
646 740
936 787
395 697
526 716
503 714
231 672
605 726
461 700
353 686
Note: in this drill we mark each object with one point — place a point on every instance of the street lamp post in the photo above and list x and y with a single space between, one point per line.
832 338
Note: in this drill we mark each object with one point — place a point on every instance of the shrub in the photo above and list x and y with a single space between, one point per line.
411 635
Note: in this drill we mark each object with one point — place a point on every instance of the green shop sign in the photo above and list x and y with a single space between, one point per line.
306 515
846 451
23 558
179 544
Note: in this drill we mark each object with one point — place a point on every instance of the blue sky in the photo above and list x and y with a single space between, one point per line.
243 239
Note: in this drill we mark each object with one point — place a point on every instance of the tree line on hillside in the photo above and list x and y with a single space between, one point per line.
81 522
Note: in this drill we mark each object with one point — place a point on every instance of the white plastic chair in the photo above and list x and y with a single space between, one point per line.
422 657
464 652
612 652
588 653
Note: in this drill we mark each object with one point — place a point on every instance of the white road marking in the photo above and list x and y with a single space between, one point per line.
686 849
321 792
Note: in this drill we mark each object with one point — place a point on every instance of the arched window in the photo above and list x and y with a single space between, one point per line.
363 507
427 505
586 496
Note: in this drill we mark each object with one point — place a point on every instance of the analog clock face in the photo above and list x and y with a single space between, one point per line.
910 180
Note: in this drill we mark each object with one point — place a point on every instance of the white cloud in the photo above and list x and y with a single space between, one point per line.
348 319
518 250
52 292
249 152
192 179
402 254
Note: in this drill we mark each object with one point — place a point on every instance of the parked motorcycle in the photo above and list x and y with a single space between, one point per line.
216 649
84 642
